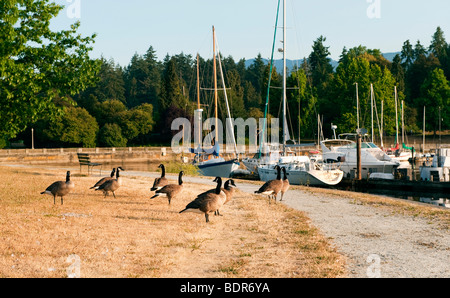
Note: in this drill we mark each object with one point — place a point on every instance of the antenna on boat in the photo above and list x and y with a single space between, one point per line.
334 127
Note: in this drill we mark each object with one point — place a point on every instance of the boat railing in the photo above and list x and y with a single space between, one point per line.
325 166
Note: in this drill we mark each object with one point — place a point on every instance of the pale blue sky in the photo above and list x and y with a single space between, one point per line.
245 27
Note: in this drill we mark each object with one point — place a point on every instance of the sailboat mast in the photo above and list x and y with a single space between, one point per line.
198 112
215 85
403 124
284 78
381 128
423 147
371 102
198 84
357 106
396 116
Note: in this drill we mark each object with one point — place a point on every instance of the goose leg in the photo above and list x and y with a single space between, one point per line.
207 217
61 200
54 199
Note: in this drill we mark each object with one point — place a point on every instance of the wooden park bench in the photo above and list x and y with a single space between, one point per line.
85 160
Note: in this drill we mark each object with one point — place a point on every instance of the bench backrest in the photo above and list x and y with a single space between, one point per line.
84 158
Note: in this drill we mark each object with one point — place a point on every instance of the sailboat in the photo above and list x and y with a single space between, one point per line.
209 162
300 170
397 153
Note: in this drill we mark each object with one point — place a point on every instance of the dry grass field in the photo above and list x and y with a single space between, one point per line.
133 236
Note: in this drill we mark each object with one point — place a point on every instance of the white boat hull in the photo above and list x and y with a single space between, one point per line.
373 159
219 168
350 169
304 177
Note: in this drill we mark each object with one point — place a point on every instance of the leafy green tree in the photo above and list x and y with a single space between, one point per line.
407 54
342 97
111 84
137 121
109 111
255 75
251 98
75 127
302 104
142 79
320 65
275 93
417 74
172 94
435 94
110 135
37 64
419 50
364 70
236 95
398 72
438 44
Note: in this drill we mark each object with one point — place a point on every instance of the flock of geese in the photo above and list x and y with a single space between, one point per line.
205 203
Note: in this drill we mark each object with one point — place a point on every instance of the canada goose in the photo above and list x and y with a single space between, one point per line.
207 202
272 187
161 181
103 180
228 190
111 185
286 183
60 188
170 190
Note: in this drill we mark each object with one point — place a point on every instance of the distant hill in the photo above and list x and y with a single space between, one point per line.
291 63
390 56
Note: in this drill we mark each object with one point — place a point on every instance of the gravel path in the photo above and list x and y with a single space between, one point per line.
376 242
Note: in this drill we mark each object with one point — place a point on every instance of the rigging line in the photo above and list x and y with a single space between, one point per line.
296 32
270 78
290 121
226 101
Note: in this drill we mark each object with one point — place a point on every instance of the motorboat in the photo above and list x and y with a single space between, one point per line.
268 155
344 153
303 170
439 169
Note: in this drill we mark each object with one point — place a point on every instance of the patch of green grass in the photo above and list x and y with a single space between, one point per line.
175 167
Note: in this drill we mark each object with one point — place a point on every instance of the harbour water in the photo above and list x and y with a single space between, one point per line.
436 199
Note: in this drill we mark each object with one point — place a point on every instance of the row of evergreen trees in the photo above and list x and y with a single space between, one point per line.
135 105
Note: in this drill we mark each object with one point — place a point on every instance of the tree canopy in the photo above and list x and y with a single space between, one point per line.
38 65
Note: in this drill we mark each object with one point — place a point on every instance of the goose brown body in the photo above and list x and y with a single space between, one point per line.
207 202
161 181
170 190
272 187
228 190
104 179
286 184
60 188
111 185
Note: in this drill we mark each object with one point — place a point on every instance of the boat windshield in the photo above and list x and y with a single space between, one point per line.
364 145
